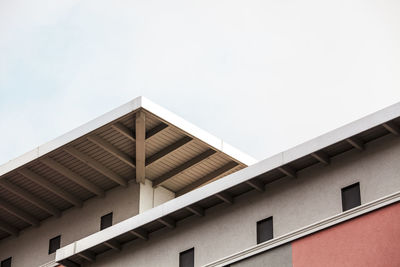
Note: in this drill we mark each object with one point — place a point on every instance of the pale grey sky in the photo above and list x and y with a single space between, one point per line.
263 75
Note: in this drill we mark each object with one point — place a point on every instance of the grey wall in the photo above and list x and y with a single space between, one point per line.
30 248
277 257
294 203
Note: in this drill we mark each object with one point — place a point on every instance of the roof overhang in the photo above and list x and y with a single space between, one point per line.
134 141
316 151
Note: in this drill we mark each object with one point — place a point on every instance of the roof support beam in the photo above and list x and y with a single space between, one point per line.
140 131
113 244
96 166
29 197
225 197
288 171
165 151
140 233
321 157
125 131
196 209
391 127
256 184
356 143
167 221
51 187
112 150
192 162
73 176
8 228
19 213
88 255
157 129
208 177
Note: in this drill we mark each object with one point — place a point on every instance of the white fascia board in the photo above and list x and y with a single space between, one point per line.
139 102
196 132
231 180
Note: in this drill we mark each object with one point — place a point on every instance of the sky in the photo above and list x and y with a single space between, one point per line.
264 75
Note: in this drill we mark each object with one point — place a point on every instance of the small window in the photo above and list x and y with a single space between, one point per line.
351 196
54 244
106 221
6 262
265 230
186 258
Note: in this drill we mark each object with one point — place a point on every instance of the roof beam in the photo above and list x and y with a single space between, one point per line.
225 197
112 150
157 129
256 184
8 228
113 244
196 209
167 221
73 176
208 177
288 171
30 197
19 213
321 157
391 127
51 187
356 143
140 132
140 233
96 166
165 151
192 162
125 131
88 255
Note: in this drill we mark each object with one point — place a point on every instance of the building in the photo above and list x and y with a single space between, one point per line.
140 186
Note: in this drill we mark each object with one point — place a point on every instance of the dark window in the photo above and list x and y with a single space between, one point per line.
265 230
54 244
106 221
6 262
351 196
186 258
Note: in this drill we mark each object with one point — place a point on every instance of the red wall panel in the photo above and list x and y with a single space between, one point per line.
370 240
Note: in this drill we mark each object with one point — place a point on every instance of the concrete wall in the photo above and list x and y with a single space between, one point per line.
294 203
30 248
277 257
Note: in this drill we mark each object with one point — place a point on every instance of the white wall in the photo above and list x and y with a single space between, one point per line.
30 248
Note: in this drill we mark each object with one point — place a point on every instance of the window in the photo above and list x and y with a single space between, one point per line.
265 230
54 244
106 221
351 196
6 262
186 258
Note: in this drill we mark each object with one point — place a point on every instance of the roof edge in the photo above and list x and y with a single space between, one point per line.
136 103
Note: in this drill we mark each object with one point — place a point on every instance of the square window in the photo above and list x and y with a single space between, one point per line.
54 244
265 230
6 262
186 258
106 221
351 196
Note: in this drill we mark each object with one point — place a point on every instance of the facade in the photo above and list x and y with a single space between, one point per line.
139 186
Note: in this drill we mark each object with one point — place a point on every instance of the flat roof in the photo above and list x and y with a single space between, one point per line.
320 150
